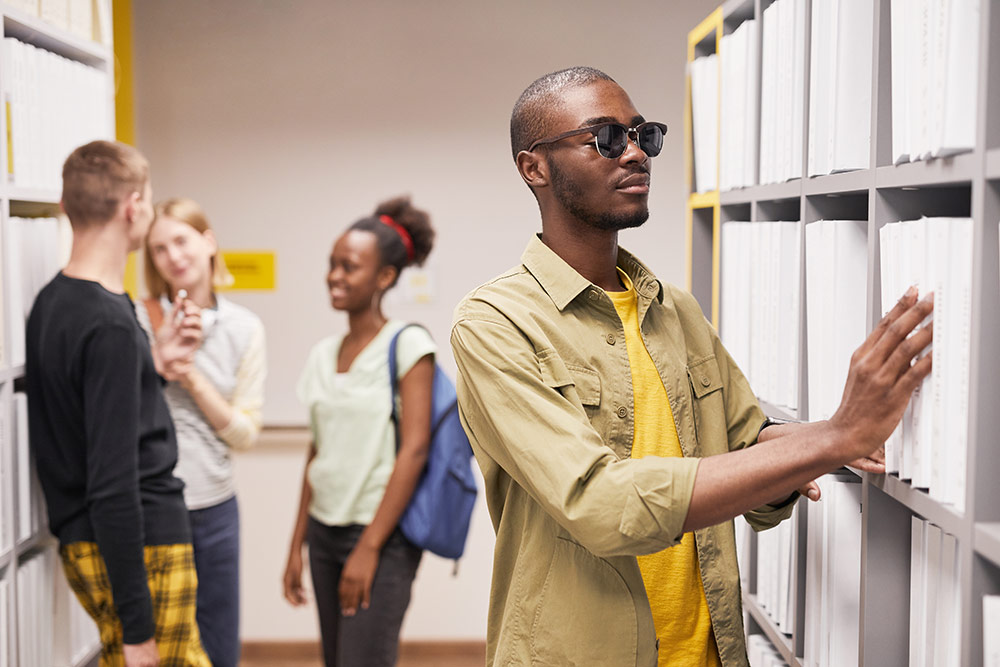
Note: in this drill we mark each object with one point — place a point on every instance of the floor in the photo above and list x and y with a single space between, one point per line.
464 654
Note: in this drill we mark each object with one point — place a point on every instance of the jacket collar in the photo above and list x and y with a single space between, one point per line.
563 284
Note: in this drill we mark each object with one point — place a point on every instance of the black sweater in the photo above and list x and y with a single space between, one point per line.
102 437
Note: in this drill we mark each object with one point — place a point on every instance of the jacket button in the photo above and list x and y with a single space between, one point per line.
610 338
705 381
623 412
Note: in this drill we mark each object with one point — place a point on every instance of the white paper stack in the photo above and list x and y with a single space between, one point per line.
762 653
705 121
761 305
6 485
840 96
836 275
991 631
76 632
776 549
56 104
930 447
935 597
833 574
744 548
36 248
4 623
935 74
30 502
35 609
782 91
738 127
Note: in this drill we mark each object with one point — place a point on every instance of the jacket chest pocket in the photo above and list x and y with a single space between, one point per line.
706 388
577 383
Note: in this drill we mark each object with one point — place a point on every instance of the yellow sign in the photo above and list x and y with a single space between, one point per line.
251 270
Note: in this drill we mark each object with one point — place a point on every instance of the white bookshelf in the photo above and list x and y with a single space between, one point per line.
963 185
30 202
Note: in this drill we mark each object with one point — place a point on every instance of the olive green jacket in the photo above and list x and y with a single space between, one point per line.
545 394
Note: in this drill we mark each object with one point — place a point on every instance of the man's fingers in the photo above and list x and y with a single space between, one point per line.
898 330
905 303
902 357
811 491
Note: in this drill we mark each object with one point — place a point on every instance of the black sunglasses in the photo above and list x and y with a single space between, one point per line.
612 138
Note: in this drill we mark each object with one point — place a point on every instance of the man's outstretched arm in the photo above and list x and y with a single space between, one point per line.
881 379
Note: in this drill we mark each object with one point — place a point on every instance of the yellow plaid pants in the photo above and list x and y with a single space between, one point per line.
173 585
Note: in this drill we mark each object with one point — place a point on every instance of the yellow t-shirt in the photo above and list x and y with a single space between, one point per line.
672 578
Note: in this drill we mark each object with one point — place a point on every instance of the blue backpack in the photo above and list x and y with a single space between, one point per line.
437 518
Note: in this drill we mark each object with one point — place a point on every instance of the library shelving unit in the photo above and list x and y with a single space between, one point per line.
33 202
965 185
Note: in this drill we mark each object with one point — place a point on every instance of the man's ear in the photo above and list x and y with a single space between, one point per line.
131 203
534 169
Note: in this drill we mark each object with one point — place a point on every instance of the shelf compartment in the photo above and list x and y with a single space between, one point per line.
987 542
781 641
847 205
919 502
939 171
33 30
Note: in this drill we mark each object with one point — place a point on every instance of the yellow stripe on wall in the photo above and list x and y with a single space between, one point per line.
124 93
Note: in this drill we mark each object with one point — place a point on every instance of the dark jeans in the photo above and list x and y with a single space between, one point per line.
371 637
215 535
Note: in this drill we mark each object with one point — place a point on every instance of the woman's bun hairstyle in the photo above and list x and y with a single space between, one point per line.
403 234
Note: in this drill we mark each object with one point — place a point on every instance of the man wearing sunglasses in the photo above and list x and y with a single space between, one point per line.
610 423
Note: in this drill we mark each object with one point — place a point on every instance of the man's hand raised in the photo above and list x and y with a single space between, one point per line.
884 372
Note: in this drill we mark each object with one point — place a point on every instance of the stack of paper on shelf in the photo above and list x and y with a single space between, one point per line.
705 120
56 104
35 609
929 448
782 91
76 632
840 89
31 516
935 75
836 270
738 126
991 631
935 597
6 481
833 574
4 622
762 653
761 305
776 549
36 248
744 548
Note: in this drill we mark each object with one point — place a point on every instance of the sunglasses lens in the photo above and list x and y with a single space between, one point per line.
651 139
611 140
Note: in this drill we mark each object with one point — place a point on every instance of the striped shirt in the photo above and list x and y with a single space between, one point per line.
232 357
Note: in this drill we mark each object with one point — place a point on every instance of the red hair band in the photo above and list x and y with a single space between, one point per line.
403 235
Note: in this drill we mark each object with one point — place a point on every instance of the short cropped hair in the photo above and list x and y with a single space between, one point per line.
97 177
528 120
191 213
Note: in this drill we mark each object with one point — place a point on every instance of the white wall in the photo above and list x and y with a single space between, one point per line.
288 121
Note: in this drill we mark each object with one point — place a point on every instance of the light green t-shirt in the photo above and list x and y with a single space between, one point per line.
351 420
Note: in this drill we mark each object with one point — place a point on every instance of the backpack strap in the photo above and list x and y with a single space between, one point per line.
155 312
393 379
